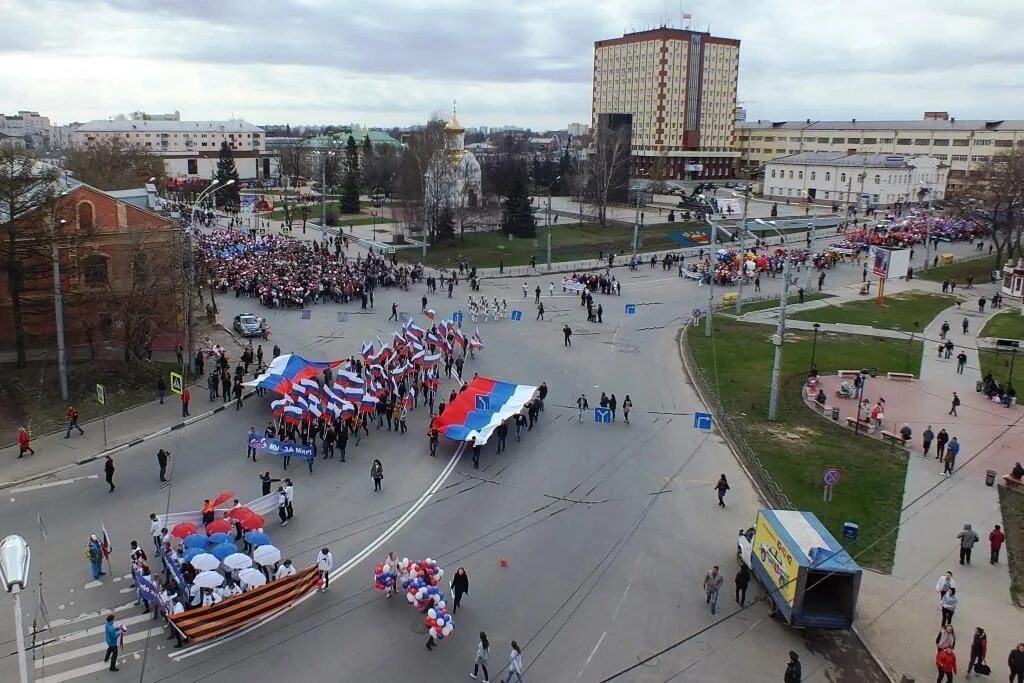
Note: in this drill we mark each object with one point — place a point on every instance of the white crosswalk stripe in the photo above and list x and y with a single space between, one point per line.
74 648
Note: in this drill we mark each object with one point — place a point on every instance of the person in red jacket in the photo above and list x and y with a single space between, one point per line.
185 398
23 441
995 543
945 661
979 649
72 422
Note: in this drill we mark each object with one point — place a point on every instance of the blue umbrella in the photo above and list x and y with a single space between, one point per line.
257 538
222 550
192 552
222 538
196 541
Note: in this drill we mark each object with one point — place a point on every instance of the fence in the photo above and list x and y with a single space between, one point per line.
734 435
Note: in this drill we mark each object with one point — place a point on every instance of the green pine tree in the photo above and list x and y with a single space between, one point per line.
350 187
227 195
445 226
517 217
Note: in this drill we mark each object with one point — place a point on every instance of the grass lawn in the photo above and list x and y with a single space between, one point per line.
1011 504
568 243
800 444
773 302
899 312
959 270
998 363
313 214
1007 325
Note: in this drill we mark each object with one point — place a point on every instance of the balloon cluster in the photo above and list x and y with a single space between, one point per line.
384 576
419 580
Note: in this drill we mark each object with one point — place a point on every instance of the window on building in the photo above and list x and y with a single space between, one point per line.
921 141
940 142
86 218
870 141
982 143
903 141
812 175
886 141
878 179
193 167
941 157
773 173
961 143
94 268
842 177
838 141
822 141
140 267
853 141
799 175
979 158
1004 143
826 194
790 175
958 157
828 175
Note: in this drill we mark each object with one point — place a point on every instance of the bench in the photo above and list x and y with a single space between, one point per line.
866 425
822 407
893 436
1007 343
901 376
848 373
1011 482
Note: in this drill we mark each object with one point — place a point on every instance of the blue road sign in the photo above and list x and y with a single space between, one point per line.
831 477
517 315
702 421
457 317
483 402
630 309
850 530
603 415
304 314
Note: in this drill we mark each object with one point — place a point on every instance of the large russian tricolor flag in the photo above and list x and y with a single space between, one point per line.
467 417
289 370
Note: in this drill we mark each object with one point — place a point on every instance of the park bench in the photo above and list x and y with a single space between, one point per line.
848 373
893 436
1011 482
901 376
865 424
1008 343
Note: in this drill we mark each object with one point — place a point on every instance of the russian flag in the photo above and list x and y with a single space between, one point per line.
418 357
399 372
432 338
430 360
477 341
348 410
352 393
367 351
277 407
349 378
314 400
298 390
417 332
464 418
293 414
335 409
430 314
310 384
368 404
105 545
409 399
331 397
315 412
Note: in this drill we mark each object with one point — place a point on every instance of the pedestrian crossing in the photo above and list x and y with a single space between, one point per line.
73 648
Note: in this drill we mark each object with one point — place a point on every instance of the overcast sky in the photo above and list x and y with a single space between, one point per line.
523 62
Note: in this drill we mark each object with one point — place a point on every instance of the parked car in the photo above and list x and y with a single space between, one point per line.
248 325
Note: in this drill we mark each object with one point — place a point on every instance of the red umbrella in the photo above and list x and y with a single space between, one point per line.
240 513
219 526
183 529
223 497
251 522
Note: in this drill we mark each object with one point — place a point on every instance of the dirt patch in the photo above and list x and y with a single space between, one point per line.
1011 505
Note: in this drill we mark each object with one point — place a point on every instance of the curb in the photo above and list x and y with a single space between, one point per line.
757 487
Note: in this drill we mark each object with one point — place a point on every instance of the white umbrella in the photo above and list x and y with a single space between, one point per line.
252 577
266 554
238 561
205 562
208 580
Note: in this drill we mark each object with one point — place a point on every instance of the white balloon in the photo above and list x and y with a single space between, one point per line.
433 632
440 605
410 597
448 629
432 613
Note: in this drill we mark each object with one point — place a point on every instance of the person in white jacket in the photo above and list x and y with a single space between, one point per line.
515 664
483 653
286 569
324 564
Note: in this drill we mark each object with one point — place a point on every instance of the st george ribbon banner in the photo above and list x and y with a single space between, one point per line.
285 449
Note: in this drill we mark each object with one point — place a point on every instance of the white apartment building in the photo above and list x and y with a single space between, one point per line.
680 88
859 179
189 148
27 125
578 130
960 144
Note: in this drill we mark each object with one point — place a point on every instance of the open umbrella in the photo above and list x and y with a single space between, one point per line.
238 561
205 561
257 538
222 538
223 497
183 529
266 554
222 550
219 526
191 553
251 522
240 512
195 541
208 580
252 577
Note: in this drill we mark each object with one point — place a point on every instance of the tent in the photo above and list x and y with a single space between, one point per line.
481 407
289 369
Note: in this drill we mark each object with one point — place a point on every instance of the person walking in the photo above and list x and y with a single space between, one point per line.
582 405
459 586
945 662
946 638
1015 662
953 405
475 449
377 474
23 442
112 637
949 460
941 439
540 311
483 653
250 449
612 404
979 649
515 664
162 458
324 565
742 581
108 472
432 437
968 537
282 506
289 495
926 440
961 361
948 605
265 482
186 396
995 543
72 422
394 312
627 406
721 487
944 583
794 672
712 583
161 389
502 434
567 333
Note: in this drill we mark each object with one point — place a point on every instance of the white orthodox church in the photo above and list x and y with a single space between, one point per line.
453 176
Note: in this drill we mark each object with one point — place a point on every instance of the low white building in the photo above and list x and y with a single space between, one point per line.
861 179
189 148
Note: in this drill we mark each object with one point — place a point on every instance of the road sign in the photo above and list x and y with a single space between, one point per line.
831 476
603 415
630 309
305 314
177 385
342 316
483 402
457 317
850 530
703 421
101 394
517 315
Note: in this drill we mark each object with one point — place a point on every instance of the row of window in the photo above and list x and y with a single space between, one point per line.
900 178
844 196
903 142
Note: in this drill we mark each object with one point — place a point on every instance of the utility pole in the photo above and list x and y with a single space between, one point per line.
323 193
711 276
58 306
778 339
636 222
743 253
810 249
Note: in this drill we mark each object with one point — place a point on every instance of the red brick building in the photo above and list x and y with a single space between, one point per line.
121 275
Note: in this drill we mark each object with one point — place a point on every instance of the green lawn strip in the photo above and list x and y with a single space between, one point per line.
1011 506
800 445
773 302
899 312
570 242
1006 325
959 270
998 363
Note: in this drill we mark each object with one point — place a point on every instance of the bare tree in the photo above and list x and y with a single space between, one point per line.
422 150
608 164
150 304
995 191
115 165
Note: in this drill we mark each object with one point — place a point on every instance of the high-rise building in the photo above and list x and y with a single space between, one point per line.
680 87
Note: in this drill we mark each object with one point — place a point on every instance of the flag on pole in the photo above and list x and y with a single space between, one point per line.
105 545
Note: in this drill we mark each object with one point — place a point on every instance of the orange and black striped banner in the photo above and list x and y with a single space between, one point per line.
203 623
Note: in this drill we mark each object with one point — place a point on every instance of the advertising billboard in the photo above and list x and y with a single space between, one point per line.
886 263
777 560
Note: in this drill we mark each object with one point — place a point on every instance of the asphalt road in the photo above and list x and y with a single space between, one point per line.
607 529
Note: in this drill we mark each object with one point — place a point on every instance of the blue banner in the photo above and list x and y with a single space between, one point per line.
147 589
172 564
283 448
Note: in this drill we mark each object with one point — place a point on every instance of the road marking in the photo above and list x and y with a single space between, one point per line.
592 653
97 630
50 484
348 566
95 648
85 670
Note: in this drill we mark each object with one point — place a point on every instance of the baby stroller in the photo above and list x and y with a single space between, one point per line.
844 391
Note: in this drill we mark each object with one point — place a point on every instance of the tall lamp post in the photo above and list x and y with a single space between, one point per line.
743 252
814 344
711 275
550 186
14 562
780 333
860 397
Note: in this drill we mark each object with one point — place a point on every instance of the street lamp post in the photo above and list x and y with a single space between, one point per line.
743 262
1013 357
780 333
15 557
58 306
711 275
860 396
814 344
557 178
